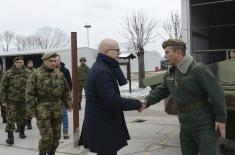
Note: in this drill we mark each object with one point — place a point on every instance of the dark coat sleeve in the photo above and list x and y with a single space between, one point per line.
160 92
68 78
109 94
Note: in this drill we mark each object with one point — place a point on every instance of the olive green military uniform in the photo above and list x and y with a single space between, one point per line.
3 108
83 71
46 92
13 87
200 100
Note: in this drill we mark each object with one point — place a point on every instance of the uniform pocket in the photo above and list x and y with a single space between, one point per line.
43 111
57 110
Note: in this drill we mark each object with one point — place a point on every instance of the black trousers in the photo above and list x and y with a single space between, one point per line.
114 153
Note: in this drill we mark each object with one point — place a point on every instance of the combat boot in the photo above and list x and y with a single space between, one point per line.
51 153
52 150
21 134
29 125
10 138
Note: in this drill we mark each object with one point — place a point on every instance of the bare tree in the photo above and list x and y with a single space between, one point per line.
32 42
48 37
21 42
139 31
172 26
6 39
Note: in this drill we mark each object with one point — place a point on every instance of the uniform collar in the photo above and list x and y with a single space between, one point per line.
185 63
47 69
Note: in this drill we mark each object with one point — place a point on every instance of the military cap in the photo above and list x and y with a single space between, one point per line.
49 55
18 58
82 59
173 42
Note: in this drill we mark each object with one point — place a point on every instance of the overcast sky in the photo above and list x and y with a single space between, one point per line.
104 16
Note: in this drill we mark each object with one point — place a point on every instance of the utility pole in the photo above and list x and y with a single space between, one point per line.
87 26
75 95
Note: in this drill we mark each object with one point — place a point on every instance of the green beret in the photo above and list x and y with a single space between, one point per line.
18 58
49 55
82 59
173 42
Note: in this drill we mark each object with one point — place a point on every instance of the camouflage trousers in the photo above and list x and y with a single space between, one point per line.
49 119
82 84
16 114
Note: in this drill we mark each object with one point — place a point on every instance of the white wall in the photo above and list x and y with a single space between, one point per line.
151 60
186 23
88 53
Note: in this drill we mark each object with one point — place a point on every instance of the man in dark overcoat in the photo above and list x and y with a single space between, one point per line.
104 128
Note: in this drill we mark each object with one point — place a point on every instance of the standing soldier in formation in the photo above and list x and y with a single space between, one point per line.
83 71
47 91
3 109
30 66
13 87
31 69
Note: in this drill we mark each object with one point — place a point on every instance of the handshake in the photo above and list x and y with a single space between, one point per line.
144 106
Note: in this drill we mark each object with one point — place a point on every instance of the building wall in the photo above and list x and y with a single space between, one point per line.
186 22
151 60
88 53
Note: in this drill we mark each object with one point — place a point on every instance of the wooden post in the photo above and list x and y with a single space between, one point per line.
75 95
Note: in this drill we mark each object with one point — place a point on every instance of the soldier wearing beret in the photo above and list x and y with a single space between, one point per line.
12 88
198 96
46 92
83 71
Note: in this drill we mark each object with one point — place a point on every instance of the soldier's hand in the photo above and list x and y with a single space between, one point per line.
221 128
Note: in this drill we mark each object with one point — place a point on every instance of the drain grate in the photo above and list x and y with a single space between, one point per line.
139 120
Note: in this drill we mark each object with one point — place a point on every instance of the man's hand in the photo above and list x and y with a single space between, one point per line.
221 128
142 107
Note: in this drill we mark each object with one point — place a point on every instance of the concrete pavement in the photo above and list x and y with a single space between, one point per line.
157 134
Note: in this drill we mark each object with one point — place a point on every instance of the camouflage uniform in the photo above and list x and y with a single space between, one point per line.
46 92
13 87
30 70
83 71
29 113
3 109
